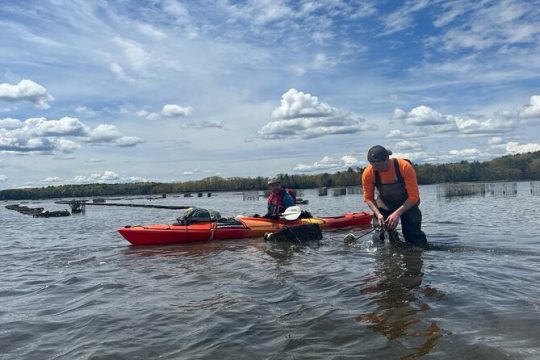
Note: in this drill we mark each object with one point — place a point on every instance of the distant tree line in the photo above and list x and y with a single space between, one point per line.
506 168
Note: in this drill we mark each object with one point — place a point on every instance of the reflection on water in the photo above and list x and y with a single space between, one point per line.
283 252
395 286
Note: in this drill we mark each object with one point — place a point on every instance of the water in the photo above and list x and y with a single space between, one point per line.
72 288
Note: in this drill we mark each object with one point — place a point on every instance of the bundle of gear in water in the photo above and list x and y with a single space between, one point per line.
296 234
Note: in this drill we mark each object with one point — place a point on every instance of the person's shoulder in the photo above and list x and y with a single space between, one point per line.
406 166
405 162
368 169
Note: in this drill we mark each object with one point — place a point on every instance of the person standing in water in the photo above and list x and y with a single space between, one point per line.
398 194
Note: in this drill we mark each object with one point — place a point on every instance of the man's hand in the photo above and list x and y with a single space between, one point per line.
380 220
392 221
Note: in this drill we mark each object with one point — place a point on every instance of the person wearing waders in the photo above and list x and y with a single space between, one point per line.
398 195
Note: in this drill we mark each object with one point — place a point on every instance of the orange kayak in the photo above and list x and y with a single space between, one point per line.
226 229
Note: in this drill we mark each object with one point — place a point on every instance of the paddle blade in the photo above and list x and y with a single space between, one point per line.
292 213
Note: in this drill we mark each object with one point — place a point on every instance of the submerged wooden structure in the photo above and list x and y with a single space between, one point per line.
83 203
37 212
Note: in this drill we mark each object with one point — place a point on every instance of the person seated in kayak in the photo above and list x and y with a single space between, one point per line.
398 194
279 199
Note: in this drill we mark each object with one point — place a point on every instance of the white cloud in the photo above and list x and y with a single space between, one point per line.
64 157
168 111
401 134
464 153
422 115
103 133
66 126
109 134
489 126
532 110
321 61
328 163
137 56
3 178
426 116
469 154
149 30
177 10
66 146
205 125
107 177
26 90
295 104
10 124
261 12
127 141
487 25
416 156
402 18
39 135
516 148
406 145
496 140
83 110
52 179
197 171
302 115
120 73
173 110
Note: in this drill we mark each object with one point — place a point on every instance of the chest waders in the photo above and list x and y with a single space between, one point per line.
391 197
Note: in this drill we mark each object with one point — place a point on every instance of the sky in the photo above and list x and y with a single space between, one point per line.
170 90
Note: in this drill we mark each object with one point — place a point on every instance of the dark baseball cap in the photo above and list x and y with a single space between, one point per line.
378 153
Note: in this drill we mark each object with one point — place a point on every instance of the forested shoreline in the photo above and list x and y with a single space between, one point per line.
507 168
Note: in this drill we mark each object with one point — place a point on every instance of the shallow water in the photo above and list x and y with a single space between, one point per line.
72 288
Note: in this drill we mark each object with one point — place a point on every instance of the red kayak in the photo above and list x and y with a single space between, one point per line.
227 229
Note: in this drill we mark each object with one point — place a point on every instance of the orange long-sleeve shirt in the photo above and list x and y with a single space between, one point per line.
389 177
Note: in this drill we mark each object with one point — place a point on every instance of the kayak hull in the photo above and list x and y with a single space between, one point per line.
245 227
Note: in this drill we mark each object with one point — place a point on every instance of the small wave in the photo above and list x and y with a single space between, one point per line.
81 261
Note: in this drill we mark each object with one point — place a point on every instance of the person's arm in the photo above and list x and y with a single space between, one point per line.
287 200
368 187
269 208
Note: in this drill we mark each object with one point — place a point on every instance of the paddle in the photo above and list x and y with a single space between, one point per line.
292 213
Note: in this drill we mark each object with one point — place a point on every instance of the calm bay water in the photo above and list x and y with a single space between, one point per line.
72 288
